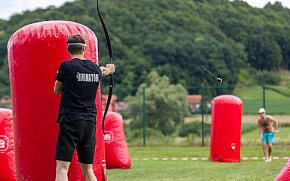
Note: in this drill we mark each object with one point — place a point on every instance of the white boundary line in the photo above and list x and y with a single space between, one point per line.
203 159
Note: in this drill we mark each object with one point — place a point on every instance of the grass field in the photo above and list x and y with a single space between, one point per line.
252 98
165 170
198 171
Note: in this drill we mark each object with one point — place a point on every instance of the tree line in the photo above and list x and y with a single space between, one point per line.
175 38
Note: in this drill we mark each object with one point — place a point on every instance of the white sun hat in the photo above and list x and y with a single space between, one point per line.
262 110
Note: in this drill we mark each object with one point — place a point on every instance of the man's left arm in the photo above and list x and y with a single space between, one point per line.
109 69
275 121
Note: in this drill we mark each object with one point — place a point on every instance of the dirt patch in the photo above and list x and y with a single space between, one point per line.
245 118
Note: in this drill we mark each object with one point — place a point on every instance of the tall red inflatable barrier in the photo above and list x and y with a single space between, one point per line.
117 153
284 174
35 52
7 170
226 129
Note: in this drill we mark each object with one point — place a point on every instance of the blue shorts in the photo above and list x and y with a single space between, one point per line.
268 137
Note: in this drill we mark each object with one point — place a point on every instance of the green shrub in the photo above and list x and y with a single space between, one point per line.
248 127
138 134
194 128
125 114
266 77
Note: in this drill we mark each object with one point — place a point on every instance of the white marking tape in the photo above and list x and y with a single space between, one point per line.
204 159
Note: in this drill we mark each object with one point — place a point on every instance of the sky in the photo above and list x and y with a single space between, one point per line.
10 7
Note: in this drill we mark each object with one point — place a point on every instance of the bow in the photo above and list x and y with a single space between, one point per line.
111 56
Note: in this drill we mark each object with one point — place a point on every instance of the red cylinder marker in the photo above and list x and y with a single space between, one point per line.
226 129
35 52
7 155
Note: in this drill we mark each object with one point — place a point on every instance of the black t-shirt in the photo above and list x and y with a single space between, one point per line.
80 80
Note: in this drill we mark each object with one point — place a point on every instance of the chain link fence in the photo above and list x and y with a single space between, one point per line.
275 99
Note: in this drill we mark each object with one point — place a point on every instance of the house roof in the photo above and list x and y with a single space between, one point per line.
105 97
194 98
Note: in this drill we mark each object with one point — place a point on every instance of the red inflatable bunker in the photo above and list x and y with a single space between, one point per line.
35 52
7 171
117 154
226 129
284 174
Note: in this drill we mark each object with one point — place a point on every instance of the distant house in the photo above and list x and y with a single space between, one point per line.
121 106
194 101
115 105
6 102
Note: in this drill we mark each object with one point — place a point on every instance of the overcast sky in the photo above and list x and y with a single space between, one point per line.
10 7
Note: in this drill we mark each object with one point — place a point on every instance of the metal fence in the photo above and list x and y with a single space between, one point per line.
275 99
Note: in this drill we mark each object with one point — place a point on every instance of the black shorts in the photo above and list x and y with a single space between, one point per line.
79 135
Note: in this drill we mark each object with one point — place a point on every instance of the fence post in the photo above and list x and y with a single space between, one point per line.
264 96
202 114
144 117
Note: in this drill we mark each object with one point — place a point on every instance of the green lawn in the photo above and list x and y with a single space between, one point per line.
188 170
197 170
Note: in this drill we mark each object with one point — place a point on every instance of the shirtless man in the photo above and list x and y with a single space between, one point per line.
267 132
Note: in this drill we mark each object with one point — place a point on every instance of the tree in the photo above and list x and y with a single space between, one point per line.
166 104
174 38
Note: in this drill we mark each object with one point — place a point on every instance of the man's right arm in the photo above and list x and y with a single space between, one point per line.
58 87
260 129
